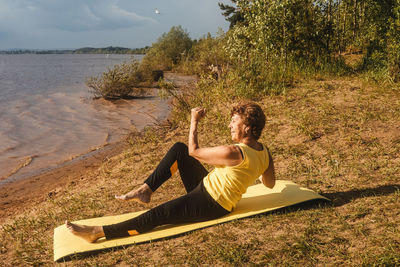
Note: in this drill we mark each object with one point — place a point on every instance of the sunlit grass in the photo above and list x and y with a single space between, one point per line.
338 137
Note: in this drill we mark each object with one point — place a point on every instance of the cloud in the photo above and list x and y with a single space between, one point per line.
50 24
68 15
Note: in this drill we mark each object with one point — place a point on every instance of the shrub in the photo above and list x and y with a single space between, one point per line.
168 50
122 81
207 56
394 44
127 79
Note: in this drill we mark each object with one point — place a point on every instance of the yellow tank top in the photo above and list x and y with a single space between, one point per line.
226 184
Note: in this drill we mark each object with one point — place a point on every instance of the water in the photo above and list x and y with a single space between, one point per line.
47 116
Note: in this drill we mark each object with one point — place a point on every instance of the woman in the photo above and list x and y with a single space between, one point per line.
209 195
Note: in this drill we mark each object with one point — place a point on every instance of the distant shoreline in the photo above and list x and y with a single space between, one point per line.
83 50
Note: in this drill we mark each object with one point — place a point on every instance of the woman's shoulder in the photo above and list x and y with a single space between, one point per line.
259 147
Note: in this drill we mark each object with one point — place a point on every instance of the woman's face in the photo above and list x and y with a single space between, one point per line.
237 128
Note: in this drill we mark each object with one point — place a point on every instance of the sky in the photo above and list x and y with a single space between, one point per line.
70 24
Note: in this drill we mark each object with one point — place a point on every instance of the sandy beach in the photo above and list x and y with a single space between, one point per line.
18 196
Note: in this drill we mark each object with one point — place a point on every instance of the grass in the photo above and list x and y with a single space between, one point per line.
337 136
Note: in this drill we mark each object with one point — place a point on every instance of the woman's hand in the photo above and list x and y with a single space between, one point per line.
217 156
197 113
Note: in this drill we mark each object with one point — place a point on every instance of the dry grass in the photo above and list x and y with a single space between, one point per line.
340 137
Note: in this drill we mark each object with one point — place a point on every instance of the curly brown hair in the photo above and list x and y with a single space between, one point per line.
252 116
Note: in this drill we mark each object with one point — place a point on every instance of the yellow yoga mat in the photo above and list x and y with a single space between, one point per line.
258 199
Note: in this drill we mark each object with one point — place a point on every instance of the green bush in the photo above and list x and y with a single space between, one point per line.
206 56
394 44
127 79
121 81
168 50
278 41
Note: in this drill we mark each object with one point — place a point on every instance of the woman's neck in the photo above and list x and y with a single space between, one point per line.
251 142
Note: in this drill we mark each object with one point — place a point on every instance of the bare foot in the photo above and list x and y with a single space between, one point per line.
141 194
89 233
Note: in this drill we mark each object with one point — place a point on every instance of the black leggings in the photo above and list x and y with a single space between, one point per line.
196 206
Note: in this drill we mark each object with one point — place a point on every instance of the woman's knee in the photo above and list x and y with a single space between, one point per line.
179 146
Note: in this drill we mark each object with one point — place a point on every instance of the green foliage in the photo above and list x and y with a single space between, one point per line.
232 14
394 44
209 93
273 43
371 27
275 38
127 79
277 32
207 56
168 89
119 82
278 40
168 50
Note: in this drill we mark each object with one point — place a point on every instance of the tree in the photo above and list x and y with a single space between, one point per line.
231 13
209 55
169 49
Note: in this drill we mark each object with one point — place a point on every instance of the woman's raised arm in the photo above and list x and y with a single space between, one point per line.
217 156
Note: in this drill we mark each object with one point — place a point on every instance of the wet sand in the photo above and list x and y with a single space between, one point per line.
14 197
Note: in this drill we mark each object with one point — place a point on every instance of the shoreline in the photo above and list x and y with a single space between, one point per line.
137 121
17 195
15 177
49 115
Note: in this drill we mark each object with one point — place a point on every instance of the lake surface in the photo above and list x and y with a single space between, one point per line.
47 115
